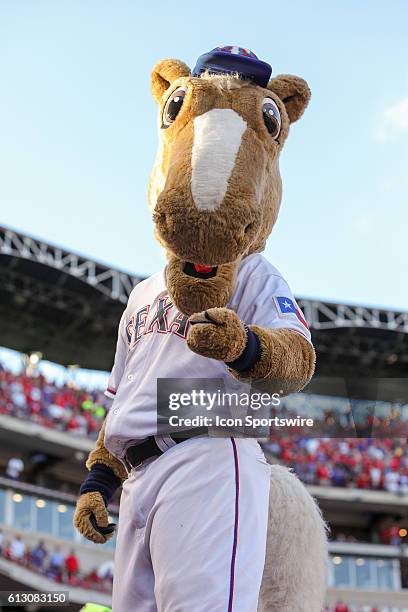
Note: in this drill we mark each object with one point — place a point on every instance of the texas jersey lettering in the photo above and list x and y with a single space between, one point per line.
136 326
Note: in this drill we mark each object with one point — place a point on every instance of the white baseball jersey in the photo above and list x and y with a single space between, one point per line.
152 344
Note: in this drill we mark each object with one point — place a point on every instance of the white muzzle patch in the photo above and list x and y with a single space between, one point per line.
217 139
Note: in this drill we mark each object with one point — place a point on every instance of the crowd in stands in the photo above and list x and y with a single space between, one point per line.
365 463
65 408
64 569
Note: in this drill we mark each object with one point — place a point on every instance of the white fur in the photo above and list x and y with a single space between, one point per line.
294 577
217 139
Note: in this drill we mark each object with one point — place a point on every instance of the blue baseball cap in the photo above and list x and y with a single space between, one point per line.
229 60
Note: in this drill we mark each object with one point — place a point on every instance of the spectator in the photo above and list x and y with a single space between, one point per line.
93 576
391 481
105 571
375 475
38 556
403 484
363 481
323 474
394 535
341 607
6 552
71 565
17 549
14 467
56 564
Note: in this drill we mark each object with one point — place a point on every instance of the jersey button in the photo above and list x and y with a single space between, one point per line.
130 377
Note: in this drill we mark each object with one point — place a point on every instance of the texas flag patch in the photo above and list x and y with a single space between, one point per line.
286 306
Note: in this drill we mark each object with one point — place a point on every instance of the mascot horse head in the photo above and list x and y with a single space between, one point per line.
215 189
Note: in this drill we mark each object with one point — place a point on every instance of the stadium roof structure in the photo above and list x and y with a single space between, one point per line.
62 304
68 306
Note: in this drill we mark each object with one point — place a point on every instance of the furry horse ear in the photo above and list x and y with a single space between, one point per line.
164 73
294 93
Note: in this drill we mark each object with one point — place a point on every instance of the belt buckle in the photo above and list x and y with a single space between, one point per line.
127 464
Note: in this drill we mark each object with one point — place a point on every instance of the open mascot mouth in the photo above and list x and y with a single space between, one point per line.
198 271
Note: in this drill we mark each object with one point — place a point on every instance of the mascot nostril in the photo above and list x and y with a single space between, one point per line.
230 532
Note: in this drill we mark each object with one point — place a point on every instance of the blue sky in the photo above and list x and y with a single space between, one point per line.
78 130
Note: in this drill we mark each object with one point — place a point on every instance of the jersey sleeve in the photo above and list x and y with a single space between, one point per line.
267 301
120 358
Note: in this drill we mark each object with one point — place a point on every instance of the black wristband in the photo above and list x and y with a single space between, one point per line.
103 480
250 355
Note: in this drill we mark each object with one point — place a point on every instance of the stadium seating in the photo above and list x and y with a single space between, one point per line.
364 463
65 408
54 565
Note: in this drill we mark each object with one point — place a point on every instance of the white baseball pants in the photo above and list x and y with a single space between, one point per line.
192 529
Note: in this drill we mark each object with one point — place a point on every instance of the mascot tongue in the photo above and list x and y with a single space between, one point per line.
202 269
199 271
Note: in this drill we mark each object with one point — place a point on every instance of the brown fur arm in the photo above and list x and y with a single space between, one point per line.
101 455
92 502
286 357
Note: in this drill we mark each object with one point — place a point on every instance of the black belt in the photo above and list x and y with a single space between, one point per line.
136 454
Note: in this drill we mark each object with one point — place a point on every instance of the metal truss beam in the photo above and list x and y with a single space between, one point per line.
111 282
117 285
326 315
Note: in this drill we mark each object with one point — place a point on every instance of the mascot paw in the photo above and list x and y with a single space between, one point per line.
217 333
90 516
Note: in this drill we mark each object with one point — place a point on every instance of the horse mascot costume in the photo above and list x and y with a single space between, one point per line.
205 523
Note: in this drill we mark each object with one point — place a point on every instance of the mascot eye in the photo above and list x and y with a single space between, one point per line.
271 117
173 106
